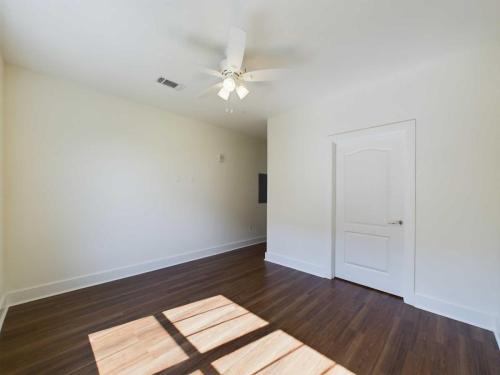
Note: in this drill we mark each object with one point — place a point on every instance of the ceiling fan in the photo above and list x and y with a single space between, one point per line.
232 72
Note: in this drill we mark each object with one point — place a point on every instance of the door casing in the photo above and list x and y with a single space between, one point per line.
409 128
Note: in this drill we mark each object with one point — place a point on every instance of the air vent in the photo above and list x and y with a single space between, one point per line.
169 83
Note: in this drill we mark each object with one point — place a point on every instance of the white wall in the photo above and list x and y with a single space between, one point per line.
95 182
2 270
455 102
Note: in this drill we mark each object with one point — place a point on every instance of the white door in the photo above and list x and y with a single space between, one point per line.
371 182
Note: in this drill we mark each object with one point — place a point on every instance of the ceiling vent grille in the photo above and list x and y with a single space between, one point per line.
169 83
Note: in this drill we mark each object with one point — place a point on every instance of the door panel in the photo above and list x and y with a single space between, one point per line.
370 192
366 203
367 250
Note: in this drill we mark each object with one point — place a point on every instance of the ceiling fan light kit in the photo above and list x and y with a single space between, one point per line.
229 84
232 72
242 91
224 93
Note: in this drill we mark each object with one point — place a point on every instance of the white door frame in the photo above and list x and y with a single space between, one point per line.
409 127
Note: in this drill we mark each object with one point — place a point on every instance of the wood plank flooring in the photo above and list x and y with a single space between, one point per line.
337 325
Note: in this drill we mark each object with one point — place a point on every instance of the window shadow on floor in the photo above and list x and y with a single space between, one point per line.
210 336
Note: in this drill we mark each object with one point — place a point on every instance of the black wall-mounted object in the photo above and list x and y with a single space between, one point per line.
262 187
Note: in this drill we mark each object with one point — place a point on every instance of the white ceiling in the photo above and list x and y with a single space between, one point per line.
123 46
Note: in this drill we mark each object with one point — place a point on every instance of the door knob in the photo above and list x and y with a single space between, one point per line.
397 222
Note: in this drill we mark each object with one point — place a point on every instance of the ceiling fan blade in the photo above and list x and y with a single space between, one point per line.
236 48
210 72
264 75
211 90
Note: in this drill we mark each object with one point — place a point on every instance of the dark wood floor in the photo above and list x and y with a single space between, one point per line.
366 331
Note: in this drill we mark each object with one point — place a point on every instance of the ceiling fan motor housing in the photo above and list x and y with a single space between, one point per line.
229 71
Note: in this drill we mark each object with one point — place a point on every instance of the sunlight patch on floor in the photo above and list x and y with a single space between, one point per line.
139 347
190 332
277 353
210 323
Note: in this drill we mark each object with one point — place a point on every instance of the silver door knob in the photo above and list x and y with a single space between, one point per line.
397 222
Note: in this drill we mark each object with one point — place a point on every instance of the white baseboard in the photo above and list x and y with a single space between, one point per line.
434 305
461 313
300 265
497 331
3 309
24 295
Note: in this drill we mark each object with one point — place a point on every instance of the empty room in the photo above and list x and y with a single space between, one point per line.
249 187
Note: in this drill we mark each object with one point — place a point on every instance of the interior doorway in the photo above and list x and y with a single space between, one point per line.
374 207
